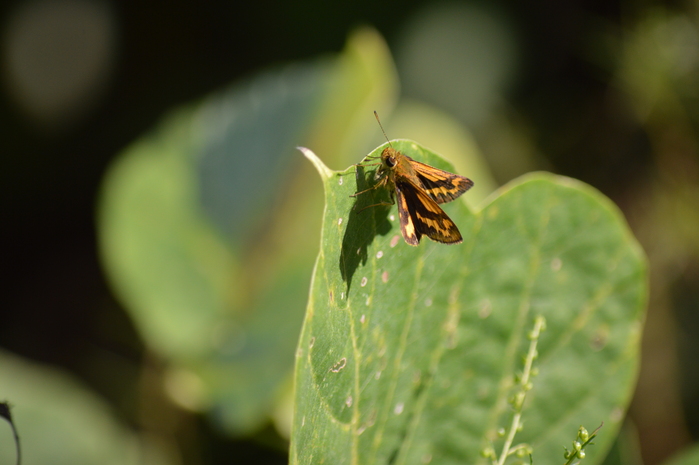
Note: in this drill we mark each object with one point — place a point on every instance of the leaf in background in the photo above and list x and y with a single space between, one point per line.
208 226
626 449
60 421
689 456
407 353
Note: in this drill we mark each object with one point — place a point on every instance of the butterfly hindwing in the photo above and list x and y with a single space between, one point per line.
441 185
420 215
407 224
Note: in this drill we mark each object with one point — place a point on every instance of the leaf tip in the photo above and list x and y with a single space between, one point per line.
323 170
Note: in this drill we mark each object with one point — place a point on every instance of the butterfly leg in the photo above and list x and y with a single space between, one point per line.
377 205
364 191
365 164
378 184
362 165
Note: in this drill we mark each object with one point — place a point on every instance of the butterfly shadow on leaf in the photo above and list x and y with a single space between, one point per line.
363 225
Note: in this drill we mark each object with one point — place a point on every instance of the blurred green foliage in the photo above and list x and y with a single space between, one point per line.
687 457
60 421
209 223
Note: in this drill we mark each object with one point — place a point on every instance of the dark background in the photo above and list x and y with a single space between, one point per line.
57 307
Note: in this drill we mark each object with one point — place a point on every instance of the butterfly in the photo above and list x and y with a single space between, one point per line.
419 189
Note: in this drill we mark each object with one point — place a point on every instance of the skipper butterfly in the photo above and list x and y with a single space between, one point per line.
418 189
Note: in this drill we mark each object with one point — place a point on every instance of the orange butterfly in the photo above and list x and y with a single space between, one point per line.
419 189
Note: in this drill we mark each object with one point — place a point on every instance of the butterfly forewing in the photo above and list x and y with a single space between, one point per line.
441 185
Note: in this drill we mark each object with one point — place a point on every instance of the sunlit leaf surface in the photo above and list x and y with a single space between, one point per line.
408 353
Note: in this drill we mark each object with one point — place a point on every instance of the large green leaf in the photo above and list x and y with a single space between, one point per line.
407 353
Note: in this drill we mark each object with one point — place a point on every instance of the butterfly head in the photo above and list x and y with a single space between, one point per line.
389 160
389 157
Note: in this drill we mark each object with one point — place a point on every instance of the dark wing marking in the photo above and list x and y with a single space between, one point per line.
420 215
441 185
407 225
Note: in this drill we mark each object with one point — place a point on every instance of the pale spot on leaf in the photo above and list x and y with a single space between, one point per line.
339 365
617 414
556 264
600 338
485 309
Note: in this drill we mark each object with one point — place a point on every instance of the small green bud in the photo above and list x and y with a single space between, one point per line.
583 434
518 400
541 321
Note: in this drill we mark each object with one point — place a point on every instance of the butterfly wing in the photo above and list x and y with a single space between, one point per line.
441 185
405 203
420 215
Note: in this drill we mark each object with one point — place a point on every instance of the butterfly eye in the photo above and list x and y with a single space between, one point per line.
390 162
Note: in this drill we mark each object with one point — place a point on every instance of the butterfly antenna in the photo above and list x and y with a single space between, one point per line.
381 126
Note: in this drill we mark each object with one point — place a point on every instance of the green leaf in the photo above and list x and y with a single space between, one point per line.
407 353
